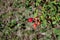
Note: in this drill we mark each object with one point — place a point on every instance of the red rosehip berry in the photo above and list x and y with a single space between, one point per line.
30 19
34 25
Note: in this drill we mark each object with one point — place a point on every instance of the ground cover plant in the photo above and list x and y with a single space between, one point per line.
29 19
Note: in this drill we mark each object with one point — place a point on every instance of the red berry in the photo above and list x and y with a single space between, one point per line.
30 19
34 25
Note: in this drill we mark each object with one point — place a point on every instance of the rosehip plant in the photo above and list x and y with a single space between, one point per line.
36 21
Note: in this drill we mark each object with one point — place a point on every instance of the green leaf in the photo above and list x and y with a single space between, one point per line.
44 23
13 21
36 13
56 31
37 3
54 22
58 37
41 17
38 0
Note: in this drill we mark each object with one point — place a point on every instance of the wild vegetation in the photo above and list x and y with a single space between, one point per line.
29 19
